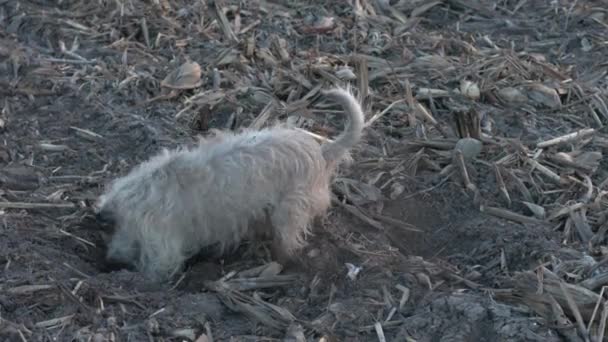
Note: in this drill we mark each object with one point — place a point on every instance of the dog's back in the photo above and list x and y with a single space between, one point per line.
247 174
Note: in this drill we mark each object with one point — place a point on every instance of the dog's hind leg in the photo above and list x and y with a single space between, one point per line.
291 224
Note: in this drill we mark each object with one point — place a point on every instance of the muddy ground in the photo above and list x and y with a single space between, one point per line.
82 102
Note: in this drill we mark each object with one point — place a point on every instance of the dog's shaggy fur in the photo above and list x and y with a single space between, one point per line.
170 207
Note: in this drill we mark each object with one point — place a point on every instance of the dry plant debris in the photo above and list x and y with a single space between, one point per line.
482 172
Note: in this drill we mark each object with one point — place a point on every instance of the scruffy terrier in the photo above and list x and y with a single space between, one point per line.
170 207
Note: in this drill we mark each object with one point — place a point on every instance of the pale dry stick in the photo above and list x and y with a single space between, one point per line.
217 79
395 222
567 229
463 169
23 339
77 238
423 278
78 57
565 211
82 274
603 320
127 80
278 45
456 277
320 138
384 72
208 331
247 284
447 177
184 110
353 210
54 322
255 271
405 296
390 314
545 171
68 178
386 325
202 97
25 205
424 113
561 320
425 93
518 6
509 215
85 133
465 175
435 144
411 115
85 30
157 312
581 225
447 170
603 184
597 306
145 31
599 102
254 307
583 133
363 78
178 282
5 324
28 289
599 264
379 332
77 287
227 277
250 27
589 194
387 297
53 147
71 52
264 115
68 293
501 185
296 106
121 300
575 311
222 21
564 161
509 158
330 298
594 116
331 78
163 96
377 116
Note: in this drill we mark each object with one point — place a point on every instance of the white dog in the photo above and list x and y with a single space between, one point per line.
170 207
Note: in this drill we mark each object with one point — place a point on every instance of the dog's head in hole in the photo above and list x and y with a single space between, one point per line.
106 224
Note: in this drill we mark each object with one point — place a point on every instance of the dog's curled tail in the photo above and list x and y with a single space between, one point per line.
334 151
